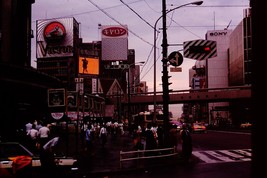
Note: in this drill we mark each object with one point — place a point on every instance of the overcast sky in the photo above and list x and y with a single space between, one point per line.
183 24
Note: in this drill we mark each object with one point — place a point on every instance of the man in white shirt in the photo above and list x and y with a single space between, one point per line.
44 133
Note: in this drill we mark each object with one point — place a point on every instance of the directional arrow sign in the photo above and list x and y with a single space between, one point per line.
175 58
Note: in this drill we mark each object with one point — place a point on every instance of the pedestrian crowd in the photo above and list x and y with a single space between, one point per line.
151 137
41 139
93 132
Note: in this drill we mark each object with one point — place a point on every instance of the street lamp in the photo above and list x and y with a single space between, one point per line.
165 84
129 87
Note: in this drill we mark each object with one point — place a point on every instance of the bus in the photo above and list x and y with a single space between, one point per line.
144 118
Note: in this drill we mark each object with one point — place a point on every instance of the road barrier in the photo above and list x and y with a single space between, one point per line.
146 154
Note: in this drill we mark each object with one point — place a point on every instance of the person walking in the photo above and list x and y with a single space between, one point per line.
151 142
47 158
174 136
186 143
103 135
88 141
33 136
44 135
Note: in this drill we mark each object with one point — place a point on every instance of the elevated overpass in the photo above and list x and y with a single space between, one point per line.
200 95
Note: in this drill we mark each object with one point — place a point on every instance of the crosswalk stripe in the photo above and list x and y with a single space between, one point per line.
244 152
204 157
217 156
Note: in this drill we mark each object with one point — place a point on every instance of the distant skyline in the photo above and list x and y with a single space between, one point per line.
183 24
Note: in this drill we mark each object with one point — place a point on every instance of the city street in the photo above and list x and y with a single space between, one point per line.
105 162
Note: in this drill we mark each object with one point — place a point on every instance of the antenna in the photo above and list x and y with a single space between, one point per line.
228 25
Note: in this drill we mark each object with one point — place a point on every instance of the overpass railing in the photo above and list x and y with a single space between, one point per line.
196 90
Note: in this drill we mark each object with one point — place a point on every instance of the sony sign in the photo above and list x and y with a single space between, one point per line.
221 33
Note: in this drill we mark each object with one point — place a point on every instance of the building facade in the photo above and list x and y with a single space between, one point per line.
230 67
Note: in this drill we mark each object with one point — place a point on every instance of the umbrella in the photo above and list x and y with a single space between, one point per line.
51 143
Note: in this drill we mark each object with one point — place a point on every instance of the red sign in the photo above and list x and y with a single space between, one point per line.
114 31
54 32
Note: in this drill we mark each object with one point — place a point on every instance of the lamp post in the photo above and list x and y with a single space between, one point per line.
129 88
165 84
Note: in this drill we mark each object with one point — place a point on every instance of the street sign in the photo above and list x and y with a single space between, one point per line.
176 69
120 66
78 80
200 49
175 58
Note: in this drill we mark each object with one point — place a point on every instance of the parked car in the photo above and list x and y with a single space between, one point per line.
198 127
14 155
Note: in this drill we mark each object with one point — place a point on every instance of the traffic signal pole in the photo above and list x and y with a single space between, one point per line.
165 77
165 83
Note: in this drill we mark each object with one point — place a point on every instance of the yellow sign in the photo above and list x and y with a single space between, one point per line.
88 65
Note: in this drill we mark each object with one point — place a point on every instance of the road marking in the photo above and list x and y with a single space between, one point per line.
219 156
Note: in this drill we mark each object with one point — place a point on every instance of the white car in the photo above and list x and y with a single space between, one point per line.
11 151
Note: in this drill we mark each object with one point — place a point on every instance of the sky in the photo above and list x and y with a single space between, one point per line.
186 23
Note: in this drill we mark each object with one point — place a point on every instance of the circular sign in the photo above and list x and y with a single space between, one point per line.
54 32
176 58
57 115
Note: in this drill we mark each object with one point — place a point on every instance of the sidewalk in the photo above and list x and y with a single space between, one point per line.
106 161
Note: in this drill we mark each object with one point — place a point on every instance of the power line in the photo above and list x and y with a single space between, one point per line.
119 23
137 14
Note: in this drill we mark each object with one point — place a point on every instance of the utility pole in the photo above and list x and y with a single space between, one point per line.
165 77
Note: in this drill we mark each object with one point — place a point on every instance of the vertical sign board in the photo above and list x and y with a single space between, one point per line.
72 99
200 49
79 85
94 85
56 97
114 42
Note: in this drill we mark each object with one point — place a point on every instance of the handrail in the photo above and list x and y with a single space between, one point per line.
140 154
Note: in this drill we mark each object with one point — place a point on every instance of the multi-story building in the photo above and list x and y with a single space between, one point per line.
100 70
24 89
230 67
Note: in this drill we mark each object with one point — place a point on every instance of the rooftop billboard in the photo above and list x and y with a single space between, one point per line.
55 37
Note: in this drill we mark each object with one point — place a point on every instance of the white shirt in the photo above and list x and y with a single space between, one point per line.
28 127
33 134
44 132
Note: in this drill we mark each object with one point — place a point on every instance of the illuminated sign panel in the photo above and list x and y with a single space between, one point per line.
54 37
114 42
88 65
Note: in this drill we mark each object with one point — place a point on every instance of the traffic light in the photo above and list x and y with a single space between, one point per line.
200 49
